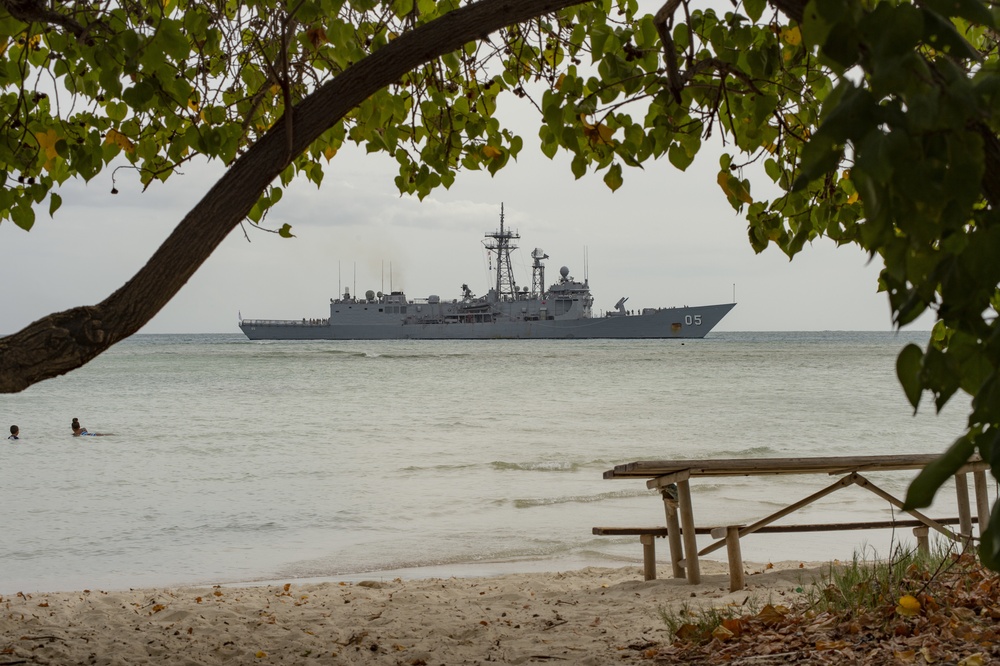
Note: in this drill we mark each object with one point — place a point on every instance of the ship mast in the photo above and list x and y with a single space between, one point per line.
502 246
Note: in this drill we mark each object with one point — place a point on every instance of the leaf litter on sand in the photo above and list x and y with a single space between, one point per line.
950 616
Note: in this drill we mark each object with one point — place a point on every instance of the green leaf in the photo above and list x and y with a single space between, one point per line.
680 157
989 544
55 201
909 364
973 11
286 231
171 39
754 8
921 492
613 178
942 35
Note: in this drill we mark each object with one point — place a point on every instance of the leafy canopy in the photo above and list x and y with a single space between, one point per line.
872 122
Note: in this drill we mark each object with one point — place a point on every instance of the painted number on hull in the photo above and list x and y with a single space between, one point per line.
689 320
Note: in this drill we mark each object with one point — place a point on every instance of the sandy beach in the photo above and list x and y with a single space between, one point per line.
588 616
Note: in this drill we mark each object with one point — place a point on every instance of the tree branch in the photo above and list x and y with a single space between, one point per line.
66 340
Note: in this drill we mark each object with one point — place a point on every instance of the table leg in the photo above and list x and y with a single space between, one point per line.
964 512
687 532
736 578
982 500
673 531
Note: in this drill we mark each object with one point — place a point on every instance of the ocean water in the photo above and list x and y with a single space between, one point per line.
239 461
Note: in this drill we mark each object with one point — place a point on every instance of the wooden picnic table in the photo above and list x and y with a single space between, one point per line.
672 477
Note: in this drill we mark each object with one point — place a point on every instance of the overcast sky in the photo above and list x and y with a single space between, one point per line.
665 238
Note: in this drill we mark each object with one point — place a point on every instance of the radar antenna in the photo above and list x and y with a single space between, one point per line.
538 273
501 246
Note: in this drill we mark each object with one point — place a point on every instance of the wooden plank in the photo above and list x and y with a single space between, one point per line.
862 525
669 496
661 482
791 508
768 466
688 532
929 522
648 557
964 512
982 499
780 529
735 556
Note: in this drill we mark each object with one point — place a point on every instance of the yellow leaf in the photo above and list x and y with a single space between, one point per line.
559 81
723 181
908 605
47 142
972 660
193 105
260 654
316 36
853 198
736 190
329 152
583 119
117 138
791 35
491 152
604 134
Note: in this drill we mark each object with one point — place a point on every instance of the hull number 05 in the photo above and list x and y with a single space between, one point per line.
695 320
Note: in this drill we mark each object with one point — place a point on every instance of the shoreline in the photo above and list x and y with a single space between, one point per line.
592 615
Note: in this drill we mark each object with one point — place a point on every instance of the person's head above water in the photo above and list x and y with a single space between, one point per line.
14 430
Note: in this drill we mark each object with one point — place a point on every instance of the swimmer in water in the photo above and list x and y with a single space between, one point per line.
79 431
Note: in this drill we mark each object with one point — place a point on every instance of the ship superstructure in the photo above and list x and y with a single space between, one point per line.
563 310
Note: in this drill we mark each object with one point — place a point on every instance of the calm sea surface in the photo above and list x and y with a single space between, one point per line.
237 461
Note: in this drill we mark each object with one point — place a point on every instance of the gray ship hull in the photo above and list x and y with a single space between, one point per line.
681 323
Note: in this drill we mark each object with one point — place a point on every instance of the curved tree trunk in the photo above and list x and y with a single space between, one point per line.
64 341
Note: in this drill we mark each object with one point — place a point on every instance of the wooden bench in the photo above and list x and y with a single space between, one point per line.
731 535
671 478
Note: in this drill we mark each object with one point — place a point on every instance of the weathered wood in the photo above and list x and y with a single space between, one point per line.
672 477
648 556
674 538
639 531
688 532
929 522
661 482
766 466
923 542
735 558
982 499
791 508
964 513
731 534
779 529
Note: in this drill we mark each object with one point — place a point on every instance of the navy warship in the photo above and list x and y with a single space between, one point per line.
563 311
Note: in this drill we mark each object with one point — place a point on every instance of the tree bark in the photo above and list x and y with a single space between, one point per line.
66 340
